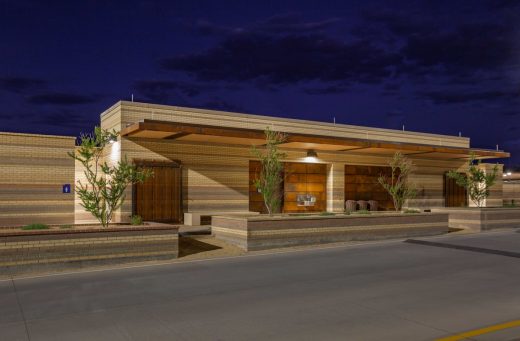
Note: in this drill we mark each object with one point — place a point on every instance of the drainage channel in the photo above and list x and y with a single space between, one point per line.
464 248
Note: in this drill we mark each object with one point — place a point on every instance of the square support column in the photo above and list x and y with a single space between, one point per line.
495 198
336 187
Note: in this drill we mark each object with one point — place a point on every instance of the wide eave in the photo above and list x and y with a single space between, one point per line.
241 136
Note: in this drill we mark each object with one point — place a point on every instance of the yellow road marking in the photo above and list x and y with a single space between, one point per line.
481 331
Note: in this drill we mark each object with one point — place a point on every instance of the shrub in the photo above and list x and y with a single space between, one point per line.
36 227
511 204
271 174
325 213
363 212
136 220
476 181
397 185
66 226
103 192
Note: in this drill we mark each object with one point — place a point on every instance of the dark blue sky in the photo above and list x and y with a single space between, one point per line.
434 66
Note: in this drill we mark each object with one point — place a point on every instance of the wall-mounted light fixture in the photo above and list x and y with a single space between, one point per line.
312 156
312 153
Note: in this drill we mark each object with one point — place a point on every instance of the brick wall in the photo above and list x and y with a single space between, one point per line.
32 172
28 251
511 192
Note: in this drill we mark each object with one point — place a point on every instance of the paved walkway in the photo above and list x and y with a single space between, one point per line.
384 291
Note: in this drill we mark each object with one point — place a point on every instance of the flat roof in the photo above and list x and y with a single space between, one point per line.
280 119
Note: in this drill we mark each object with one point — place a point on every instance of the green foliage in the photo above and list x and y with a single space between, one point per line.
136 220
397 185
270 178
411 211
103 192
325 213
66 226
510 204
362 212
476 181
36 227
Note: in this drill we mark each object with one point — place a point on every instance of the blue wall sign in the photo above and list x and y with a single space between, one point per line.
66 188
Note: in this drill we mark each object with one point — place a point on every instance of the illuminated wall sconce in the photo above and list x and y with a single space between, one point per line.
312 156
312 153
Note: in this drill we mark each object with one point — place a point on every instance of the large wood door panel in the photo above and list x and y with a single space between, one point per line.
361 183
159 198
454 195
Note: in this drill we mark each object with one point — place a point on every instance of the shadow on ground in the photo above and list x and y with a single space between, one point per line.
190 246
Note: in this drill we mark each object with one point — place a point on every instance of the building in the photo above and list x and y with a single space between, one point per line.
203 165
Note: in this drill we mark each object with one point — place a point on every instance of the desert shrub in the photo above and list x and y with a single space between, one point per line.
398 184
476 181
325 213
136 220
411 211
271 174
103 192
36 227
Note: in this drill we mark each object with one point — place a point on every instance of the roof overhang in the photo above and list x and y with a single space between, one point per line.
242 136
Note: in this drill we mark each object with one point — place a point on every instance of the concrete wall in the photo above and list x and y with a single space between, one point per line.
32 172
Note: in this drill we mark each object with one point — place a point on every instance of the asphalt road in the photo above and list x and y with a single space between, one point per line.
385 291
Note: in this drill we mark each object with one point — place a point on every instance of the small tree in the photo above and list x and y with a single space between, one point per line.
397 185
104 190
476 181
271 172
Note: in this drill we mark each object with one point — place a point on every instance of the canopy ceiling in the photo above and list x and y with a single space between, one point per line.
240 136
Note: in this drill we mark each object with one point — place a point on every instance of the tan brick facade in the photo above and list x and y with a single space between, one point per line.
32 172
215 176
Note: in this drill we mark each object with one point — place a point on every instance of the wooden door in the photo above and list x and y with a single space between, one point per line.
159 198
454 195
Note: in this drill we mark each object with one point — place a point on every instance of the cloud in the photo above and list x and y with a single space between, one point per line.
292 23
503 4
287 60
21 85
207 28
395 113
327 90
220 104
68 118
467 50
399 23
455 97
288 23
163 91
57 98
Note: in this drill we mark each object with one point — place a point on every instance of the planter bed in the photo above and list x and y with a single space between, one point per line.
56 249
482 219
265 232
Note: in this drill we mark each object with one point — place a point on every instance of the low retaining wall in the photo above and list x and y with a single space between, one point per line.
264 232
482 219
53 250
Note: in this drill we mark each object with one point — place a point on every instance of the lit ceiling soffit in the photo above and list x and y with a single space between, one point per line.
241 136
